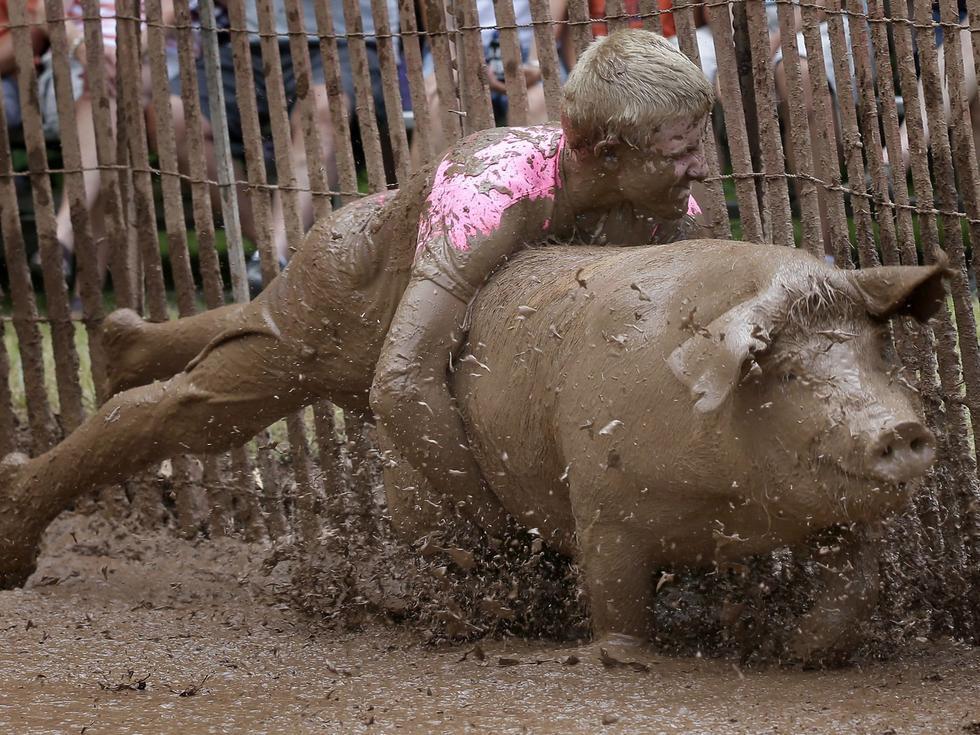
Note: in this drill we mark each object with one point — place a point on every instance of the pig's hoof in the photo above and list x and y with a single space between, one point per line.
826 648
18 555
120 332
619 651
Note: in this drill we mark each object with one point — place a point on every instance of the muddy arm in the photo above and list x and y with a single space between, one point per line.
412 398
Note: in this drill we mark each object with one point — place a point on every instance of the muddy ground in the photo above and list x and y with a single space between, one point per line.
129 632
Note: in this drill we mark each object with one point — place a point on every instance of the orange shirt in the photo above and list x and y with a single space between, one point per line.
597 9
666 19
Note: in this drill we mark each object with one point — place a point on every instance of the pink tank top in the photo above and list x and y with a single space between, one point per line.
467 200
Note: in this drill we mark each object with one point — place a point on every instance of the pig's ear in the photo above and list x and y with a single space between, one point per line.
916 291
716 359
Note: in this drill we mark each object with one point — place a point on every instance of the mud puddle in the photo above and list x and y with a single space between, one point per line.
145 633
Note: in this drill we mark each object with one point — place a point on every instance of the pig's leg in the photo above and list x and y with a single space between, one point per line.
139 352
849 582
617 563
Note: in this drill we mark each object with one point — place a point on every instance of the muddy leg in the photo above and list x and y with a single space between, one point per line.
618 565
139 352
850 584
239 387
302 298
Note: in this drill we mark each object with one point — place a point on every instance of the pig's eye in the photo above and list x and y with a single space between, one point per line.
789 377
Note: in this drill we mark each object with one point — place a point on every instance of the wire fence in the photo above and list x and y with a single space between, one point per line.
845 127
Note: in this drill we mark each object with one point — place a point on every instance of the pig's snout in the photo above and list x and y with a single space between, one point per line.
902 452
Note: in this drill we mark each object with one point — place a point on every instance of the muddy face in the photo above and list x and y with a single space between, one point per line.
835 421
815 404
658 180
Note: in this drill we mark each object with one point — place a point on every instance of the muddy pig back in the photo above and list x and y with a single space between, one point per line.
552 356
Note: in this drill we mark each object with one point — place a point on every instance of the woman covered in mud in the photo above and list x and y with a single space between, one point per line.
374 301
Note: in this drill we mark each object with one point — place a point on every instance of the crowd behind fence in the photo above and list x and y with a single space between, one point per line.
820 106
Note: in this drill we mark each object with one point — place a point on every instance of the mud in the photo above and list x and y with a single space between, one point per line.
204 629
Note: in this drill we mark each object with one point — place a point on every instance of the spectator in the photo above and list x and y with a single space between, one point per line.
82 94
828 56
34 11
46 97
490 37
8 64
319 91
782 92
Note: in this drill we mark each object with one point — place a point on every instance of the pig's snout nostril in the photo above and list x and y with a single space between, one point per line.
903 451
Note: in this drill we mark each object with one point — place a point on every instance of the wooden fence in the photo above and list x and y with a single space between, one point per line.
802 165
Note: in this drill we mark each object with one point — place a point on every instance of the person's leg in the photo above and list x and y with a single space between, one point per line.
11 102
316 289
970 84
233 117
91 175
782 92
237 389
51 124
327 156
435 114
975 118
383 116
139 352
315 332
969 93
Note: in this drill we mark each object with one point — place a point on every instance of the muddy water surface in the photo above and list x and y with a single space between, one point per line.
124 633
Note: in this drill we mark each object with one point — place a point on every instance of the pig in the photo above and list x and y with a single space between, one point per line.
687 405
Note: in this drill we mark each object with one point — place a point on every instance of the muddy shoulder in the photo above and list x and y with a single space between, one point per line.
121 630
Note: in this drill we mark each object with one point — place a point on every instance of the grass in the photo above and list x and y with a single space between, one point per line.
12 347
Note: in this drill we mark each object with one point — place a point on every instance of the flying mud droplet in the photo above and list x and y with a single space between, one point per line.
472 358
609 428
644 296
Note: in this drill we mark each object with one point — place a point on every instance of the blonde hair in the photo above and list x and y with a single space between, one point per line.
626 85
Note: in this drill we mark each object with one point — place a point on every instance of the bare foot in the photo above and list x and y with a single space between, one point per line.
121 331
18 541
